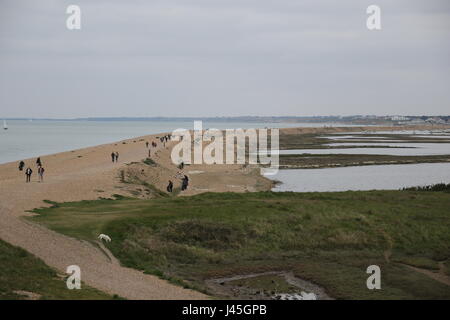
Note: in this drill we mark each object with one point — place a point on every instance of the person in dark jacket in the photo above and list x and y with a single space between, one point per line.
184 183
170 186
21 165
28 173
41 174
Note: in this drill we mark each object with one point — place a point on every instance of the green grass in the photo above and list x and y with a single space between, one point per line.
420 262
21 271
149 162
327 238
317 140
306 161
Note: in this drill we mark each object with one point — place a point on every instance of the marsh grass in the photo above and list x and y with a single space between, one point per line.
150 162
328 238
21 271
306 161
317 141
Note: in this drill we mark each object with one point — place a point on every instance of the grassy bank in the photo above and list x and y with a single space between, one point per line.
319 140
23 276
306 161
327 238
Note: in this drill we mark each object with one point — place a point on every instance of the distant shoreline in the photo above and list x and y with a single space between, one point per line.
286 131
352 119
26 139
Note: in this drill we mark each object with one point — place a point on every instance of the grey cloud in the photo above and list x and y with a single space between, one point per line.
223 57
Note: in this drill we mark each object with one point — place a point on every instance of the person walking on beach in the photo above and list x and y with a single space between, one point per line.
21 165
38 162
146 144
113 156
117 156
184 183
170 186
28 173
41 174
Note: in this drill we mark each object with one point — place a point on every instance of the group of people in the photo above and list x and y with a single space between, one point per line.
29 171
114 156
184 184
162 139
184 178
154 145
166 138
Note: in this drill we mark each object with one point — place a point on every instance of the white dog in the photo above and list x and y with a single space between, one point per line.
308 296
296 296
104 237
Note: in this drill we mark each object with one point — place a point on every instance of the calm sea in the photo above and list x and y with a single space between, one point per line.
25 139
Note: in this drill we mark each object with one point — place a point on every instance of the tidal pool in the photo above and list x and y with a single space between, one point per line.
396 149
375 177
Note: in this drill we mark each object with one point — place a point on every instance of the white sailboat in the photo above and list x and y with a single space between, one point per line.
5 126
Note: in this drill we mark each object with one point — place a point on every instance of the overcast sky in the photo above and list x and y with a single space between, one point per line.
223 58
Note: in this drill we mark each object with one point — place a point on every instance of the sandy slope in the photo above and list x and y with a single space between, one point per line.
75 176
88 174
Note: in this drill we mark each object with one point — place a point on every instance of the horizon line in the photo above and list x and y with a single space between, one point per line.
250 117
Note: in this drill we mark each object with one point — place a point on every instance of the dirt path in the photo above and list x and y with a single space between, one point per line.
439 276
87 174
70 176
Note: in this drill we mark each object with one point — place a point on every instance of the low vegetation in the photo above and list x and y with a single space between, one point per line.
307 161
434 187
149 162
302 141
327 238
134 177
318 141
23 276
